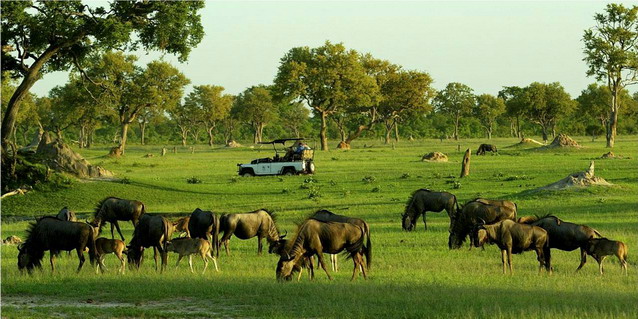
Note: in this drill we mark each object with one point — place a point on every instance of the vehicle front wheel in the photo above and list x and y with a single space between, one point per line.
247 173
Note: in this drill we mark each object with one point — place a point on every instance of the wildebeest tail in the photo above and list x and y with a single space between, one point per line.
168 227
368 247
456 204
92 247
216 221
597 233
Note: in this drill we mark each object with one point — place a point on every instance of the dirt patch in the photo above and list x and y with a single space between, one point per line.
562 140
527 142
578 179
434 157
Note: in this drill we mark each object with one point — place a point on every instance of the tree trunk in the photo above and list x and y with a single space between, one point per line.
465 166
124 129
260 129
489 132
388 132
396 131
58 133
81 137
89 141
544 128
553 130
613 119
518 128
322 133
142 131
456 128
11 113
210 136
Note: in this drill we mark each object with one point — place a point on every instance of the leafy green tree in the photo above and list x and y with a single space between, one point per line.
457 101
487 109
328 79
185 117
611 52
515 106
594 102
547 104
293 116
255 106
48 36
214 105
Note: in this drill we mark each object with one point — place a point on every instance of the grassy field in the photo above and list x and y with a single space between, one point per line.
413 274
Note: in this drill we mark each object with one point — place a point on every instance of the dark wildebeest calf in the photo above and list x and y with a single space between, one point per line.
67 215
112 209
205 225
600 248
316 237
486 148
513 238
260 223
151 231
50 233
564 235
425 200
471 214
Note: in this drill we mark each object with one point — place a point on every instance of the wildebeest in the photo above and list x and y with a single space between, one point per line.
600 248
486 148
498 202
260 223
473 212
107 246
151 231
66 214
513 238
181 225
112 209
189 246
302 263
205 225
564 235
315 237
50 233
425 200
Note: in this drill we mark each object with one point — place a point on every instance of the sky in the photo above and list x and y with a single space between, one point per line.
486 45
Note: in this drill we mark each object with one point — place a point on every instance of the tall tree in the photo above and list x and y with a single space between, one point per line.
611 52
48 36
487 109
293 116
547 104
515 106
185 117
328 79
457 101
214 105
255 106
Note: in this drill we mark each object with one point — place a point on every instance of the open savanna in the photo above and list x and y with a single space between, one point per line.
412 275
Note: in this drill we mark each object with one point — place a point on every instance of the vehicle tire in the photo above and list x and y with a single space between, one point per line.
288 172
247 173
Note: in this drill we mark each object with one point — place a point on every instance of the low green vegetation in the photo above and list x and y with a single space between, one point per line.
413 274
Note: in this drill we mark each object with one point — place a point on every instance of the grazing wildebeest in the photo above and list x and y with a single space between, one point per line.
151 231
107 246
304 262
328 216
181 225
112 209
473 212
190 246
425 200
205 225
315 237
260 223
50 233
486 148
513 238
66 214
564 235
600 248
498 202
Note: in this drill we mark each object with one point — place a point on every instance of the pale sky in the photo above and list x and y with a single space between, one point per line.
486 45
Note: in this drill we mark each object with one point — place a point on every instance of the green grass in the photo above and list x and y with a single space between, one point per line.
413 274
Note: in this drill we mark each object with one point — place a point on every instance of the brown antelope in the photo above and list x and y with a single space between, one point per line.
106 246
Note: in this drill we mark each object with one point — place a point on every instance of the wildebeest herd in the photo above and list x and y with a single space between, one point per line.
481 220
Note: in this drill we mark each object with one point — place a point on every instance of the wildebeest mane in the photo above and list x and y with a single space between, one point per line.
98 208
536 217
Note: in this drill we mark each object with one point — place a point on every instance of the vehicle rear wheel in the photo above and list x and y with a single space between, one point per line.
289 173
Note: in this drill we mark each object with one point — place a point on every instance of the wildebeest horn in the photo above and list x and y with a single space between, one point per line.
482 221
288 256
284 235
20 246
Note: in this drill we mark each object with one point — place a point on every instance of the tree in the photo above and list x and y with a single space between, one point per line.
547 104
487 109
515 106
328 79
214 106
255 106
47 36
185 117
293 116
611 52
456 100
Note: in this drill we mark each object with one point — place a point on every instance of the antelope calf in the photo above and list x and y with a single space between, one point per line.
106 246
600 248
188 247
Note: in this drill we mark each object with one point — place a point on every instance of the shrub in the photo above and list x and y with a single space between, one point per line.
194 180
369 179
405 175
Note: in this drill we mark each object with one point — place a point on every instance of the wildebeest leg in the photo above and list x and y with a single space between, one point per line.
100 263
119 256
623 264
583 259
355 271
80 251
362 265
155 256
503 257
112 235
178 260
548 259
323 265
118 229
190 262
300 272
311 268
205 258
259 245
333 262
509 261
424 222
52 260
164 254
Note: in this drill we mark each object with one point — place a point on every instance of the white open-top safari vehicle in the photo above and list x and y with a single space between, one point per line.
294 162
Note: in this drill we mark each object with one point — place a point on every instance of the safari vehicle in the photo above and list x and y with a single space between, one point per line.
291 163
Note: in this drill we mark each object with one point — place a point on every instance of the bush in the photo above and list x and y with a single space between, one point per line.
405 175
369 179
194 180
